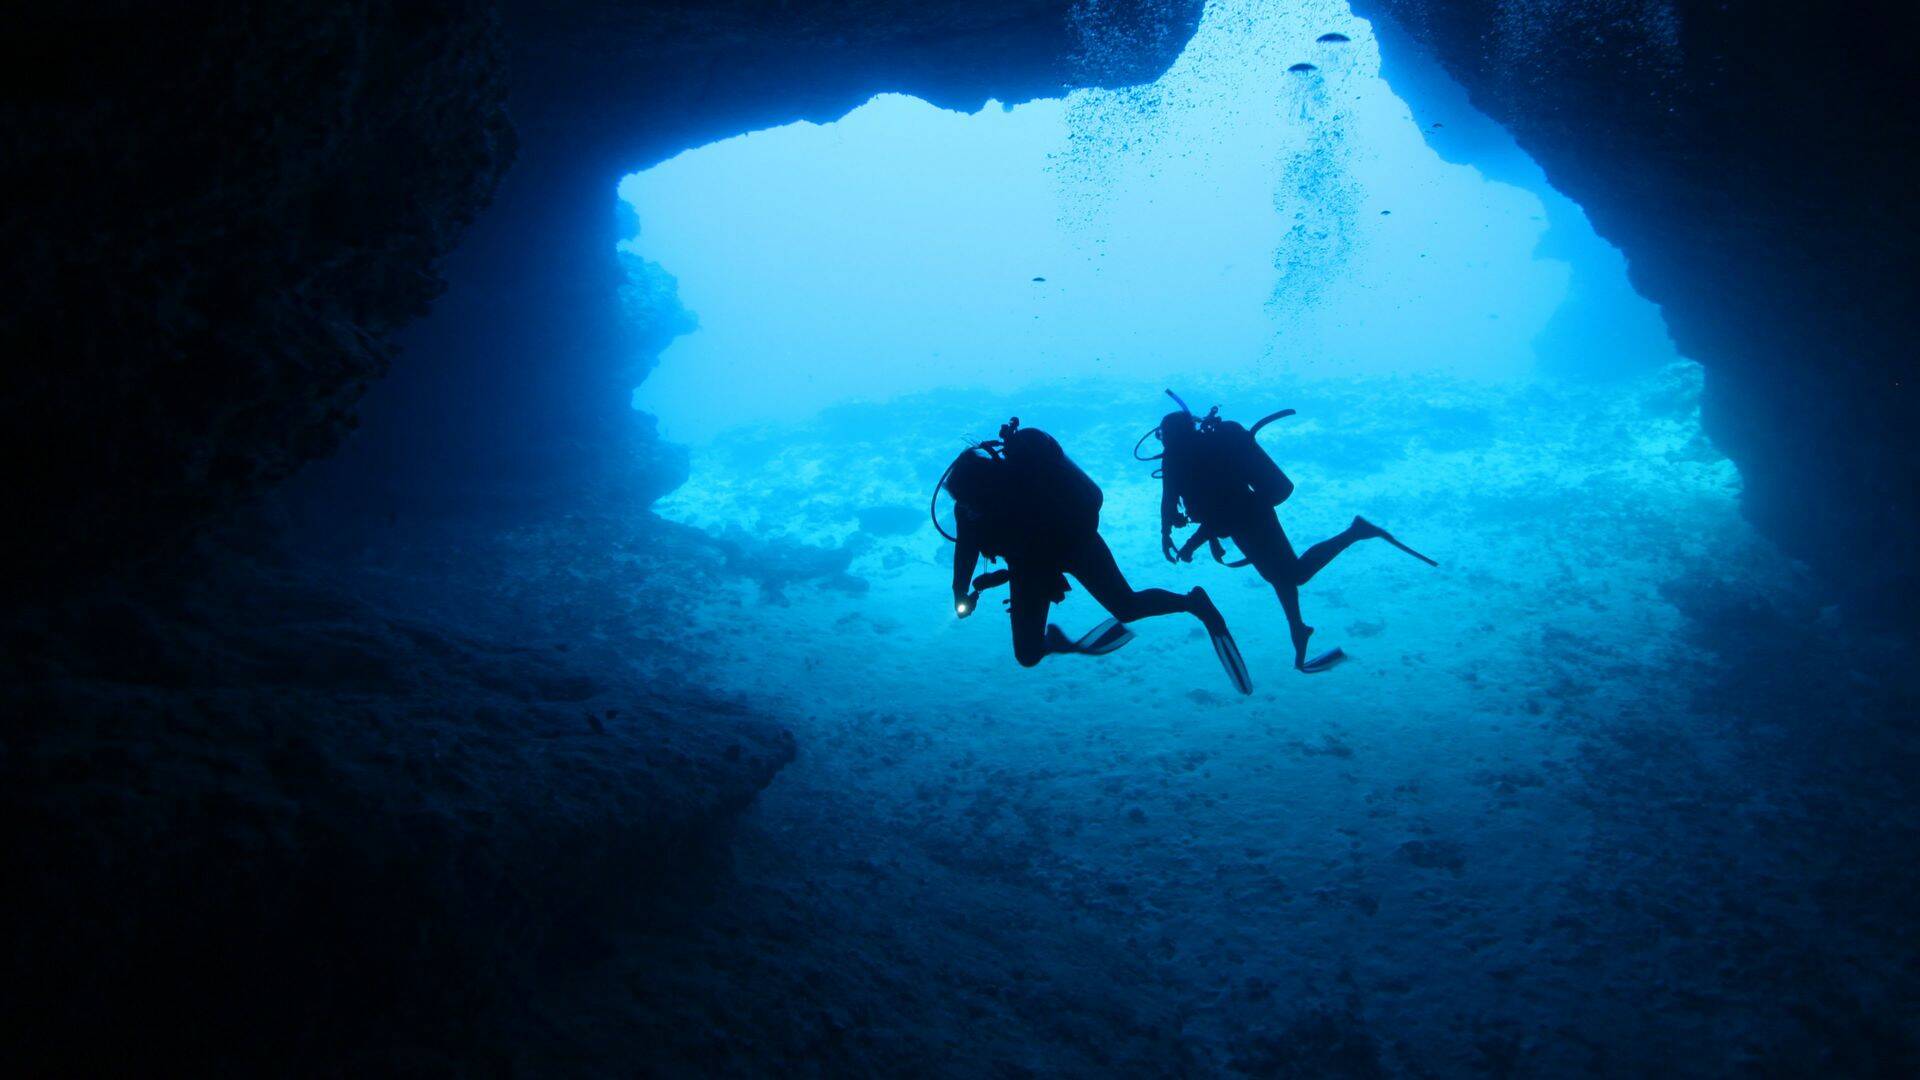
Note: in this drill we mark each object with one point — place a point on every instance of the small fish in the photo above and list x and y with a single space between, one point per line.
1332 38
1303 67
1039 279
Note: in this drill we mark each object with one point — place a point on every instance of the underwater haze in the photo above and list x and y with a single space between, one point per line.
1237 216
1547 819
488 596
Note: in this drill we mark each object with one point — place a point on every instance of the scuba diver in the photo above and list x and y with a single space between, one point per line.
1215 477
1020 498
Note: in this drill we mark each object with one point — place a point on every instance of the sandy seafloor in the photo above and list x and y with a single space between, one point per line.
1600 795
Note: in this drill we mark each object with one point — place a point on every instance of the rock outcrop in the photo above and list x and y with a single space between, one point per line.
214 222
279 815
516 388
218 225
1760 198
1755 162
256 820
255 813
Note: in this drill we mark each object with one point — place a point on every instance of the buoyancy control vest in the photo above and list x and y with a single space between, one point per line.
1028 499
1223 475
1055 495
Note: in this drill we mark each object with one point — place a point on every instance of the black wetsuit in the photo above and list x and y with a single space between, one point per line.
1044 520
1229 488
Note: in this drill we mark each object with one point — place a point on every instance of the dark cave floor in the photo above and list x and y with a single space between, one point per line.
606 794
1608 794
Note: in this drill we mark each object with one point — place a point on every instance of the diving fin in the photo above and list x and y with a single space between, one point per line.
1223 644
1229 655
1324 662
1389 538
1103 639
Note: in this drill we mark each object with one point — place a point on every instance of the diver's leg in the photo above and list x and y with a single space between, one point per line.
1265 544
1028 607
1091 563
1297 627
1322 553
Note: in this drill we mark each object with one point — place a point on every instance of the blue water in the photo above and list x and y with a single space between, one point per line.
1510 833
1415 831
1233 218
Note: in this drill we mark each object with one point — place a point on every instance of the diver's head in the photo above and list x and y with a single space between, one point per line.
1177 430
972 479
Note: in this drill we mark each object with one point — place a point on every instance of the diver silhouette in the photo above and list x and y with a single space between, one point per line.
1021 499
1229 488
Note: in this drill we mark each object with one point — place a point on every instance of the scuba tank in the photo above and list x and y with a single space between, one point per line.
1052 490
1235 451
1059 492
1204 425
1220 471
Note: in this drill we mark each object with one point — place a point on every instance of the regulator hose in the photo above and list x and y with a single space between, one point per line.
933 504
1268 419
1151 432
992 449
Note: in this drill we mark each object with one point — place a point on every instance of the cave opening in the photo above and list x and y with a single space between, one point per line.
1471 367
599 701
1282 219
1270 208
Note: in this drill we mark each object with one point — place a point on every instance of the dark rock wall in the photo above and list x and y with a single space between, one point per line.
515 390
277 816
1755 162
1752 161
213 224
218 225
259 813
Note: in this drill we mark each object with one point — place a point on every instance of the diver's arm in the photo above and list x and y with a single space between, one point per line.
1170 516
1201 535
966 554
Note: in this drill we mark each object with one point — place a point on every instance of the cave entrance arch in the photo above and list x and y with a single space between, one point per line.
1268 208
1273 223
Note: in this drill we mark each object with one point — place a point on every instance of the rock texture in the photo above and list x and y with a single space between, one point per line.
1755 162
218 225
256 812
1758 191
515 389
272 817
213 224
360 823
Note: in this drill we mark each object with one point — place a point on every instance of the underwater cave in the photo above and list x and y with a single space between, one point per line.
478 605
